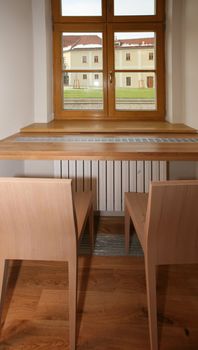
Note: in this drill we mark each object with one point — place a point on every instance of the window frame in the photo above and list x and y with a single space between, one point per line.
58 18
107 14
159 113
59 112
107 24
158 17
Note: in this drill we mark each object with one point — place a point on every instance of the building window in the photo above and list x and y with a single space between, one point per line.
150 56
95 59
128 81
119 39
128 56
84 76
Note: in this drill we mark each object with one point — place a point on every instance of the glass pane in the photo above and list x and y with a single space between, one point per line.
134 7
82 51
135 91
134 50
81 8
82 91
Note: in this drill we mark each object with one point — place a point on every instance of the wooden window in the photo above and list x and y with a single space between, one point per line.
84 76
109 34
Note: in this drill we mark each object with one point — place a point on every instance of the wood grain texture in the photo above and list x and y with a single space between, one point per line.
137 212
112 311
85 126
10 149
100 24
166 223
39 221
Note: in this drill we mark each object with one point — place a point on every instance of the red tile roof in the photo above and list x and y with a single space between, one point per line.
138 42
74 40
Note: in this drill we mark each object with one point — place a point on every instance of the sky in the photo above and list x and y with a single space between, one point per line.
93 7
134 7
81 7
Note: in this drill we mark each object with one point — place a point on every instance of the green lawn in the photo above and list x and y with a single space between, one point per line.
135 93
83 93
120 93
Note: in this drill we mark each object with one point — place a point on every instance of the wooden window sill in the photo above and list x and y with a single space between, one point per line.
86 126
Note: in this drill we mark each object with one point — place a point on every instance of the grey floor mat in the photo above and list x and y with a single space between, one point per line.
110 245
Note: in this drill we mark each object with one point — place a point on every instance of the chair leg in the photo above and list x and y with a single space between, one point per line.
3 286
91 228
127 230
72 270
150 270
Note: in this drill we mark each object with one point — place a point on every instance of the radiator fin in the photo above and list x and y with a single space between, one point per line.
109 179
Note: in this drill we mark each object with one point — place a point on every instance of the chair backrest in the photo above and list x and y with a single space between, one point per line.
172 221
37 219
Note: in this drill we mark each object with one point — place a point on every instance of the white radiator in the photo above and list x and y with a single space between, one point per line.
108 180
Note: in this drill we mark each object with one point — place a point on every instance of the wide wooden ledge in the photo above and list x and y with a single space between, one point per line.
86 126
10 148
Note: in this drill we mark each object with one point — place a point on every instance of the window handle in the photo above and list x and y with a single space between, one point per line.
111 77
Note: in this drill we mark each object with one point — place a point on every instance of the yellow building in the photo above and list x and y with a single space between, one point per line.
85 52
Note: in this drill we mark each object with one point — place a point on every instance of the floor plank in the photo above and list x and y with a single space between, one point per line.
112 309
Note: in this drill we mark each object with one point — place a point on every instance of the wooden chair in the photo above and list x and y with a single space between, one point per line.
41 220
166 222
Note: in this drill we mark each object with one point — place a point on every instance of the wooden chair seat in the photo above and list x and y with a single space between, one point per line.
166 223
40 219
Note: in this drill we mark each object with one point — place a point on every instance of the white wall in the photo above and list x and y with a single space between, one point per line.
25 64
182 73
190 62
25 69
43 67
16 66
181 170
42 168
16 73
174 60
181 61
11 168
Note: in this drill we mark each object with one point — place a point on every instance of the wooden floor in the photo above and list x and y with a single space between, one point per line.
112 311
